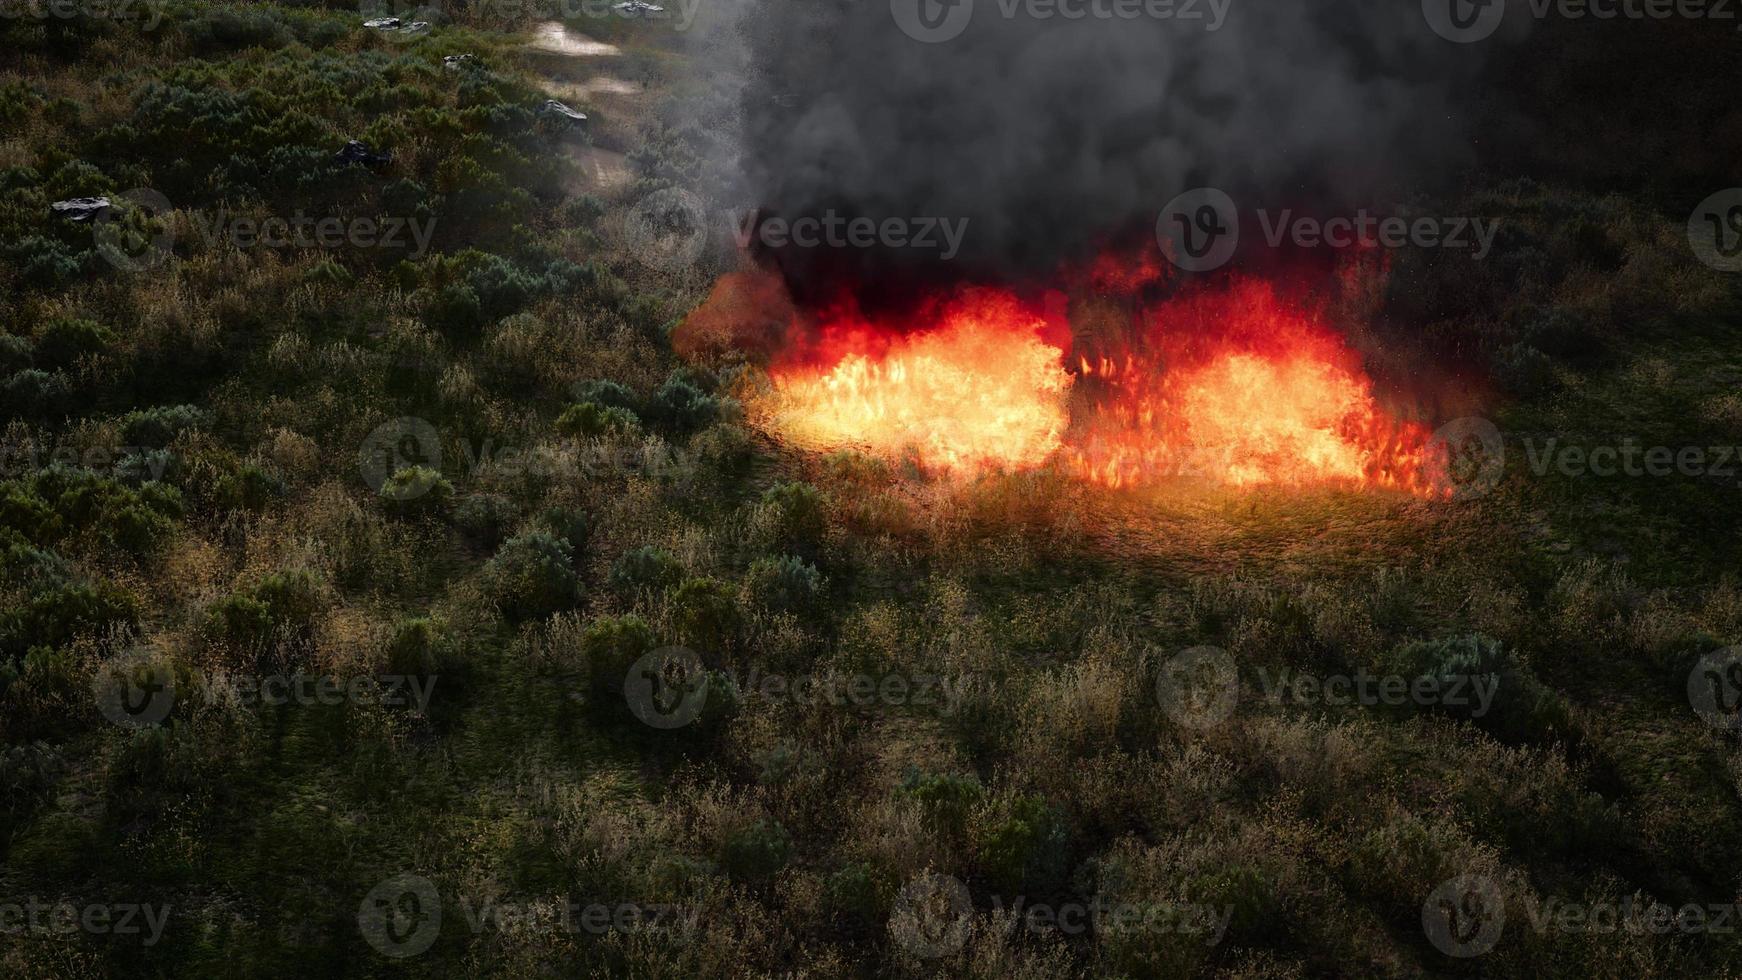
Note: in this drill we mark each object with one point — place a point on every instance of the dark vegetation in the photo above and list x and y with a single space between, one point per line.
182 478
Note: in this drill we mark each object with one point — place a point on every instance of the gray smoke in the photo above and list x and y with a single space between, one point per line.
1050 134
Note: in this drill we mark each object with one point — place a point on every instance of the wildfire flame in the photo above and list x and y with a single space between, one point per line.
981 390
1237 387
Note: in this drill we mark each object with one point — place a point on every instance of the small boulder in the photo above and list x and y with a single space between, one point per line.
383 24
357 153
639 8
557 110
455 62
80 209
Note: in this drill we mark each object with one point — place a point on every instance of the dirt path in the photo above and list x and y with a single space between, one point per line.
569 54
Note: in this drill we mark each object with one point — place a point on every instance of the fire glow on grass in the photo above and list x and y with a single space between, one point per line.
1236 387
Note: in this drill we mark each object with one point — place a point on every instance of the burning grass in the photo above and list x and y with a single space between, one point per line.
1239 388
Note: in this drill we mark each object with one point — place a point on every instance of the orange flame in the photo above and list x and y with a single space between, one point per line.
1235 387
980 391
1243 390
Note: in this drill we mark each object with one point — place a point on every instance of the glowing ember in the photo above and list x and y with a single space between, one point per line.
980 391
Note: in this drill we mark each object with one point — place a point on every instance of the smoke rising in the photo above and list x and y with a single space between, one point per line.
1049 135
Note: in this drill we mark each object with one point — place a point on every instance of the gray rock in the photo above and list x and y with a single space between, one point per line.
357 153
639 8
455 62
80 209
556 109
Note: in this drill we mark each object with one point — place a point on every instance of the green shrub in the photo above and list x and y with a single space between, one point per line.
155 428
648 567
36 394
855 899
62 342
419 648
785 584
16 354
486 518
416 491
705 612
1025 850
1522 709
755 853
608 394
948 799
56 616
681 406
610 646
588 419
802 512
275 617
532 576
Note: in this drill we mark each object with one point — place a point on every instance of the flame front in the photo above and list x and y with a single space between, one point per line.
1235 387
981 391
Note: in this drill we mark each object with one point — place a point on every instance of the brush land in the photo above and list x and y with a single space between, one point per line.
182 484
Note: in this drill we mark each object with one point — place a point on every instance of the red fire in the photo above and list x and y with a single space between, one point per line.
1239 387
1244 389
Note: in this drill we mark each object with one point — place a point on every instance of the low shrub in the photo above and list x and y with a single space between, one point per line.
533 576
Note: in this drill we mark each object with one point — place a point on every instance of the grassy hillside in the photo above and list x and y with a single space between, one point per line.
194 495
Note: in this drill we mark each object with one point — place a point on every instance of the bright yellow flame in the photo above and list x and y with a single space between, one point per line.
972 394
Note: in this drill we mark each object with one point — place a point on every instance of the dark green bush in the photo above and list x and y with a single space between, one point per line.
1522 709
54 617
155 428
1027 849
589 419
802 510
16 354
648 567
786 584
416 491
756 852
705 612
532 576
608 394
948 799
486 518
610 646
